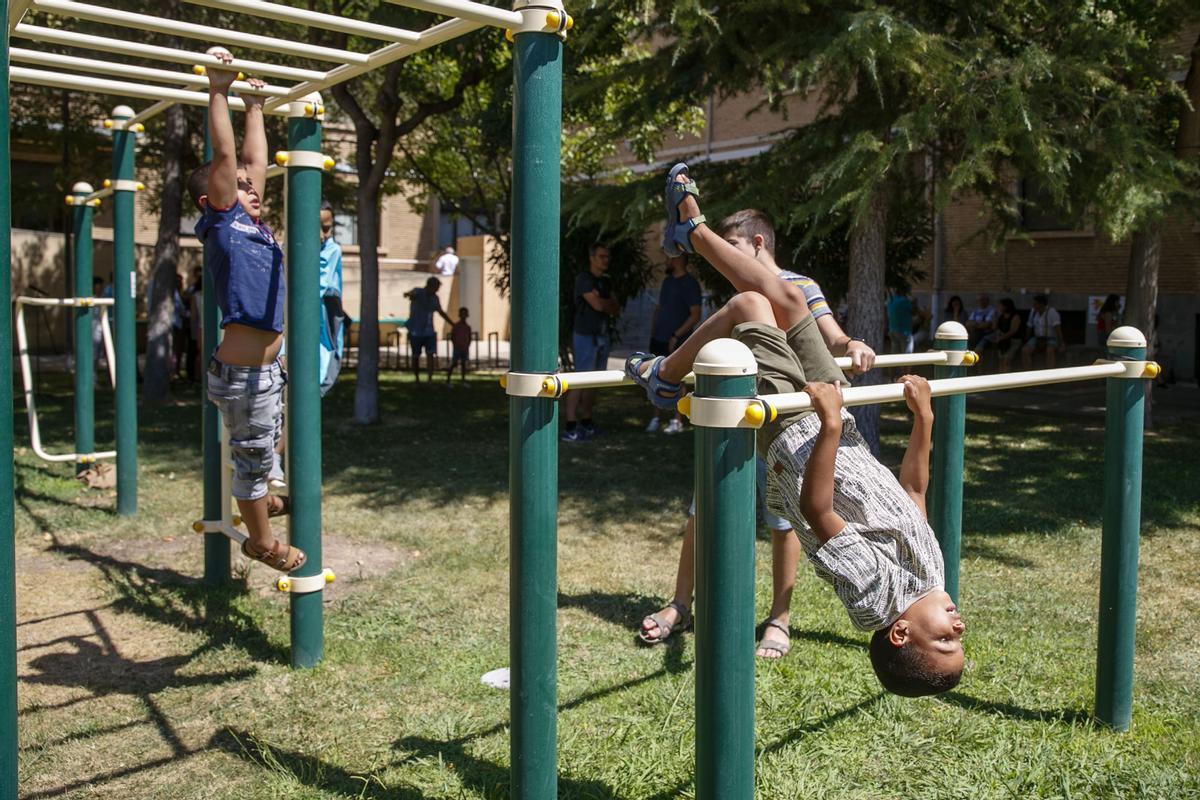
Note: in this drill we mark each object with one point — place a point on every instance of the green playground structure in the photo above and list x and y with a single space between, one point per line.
726 413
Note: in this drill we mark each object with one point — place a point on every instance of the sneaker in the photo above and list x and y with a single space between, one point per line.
674 426
589 431
653 426
574 435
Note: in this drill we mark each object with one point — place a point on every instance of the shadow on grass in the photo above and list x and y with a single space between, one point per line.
172 598
1070 716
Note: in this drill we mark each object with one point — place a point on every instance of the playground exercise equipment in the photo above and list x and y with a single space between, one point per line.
536 26
726 412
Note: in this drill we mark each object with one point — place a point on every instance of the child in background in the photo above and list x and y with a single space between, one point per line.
246 378
460 338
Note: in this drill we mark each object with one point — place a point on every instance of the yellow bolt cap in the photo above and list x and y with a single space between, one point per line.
107 183
198 526
241 76
553 18
139 186
508 34
283 584
95 202
281 158
328 163
685 405
1152 370
755 414
503 381
67 200
108 123
548 385
308 109
198 69
329 576
139 128
570 22
237 520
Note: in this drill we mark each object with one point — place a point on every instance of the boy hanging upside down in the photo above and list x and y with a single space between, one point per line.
866 533
245 378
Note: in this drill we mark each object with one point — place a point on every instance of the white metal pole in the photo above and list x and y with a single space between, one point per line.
139 50
464 9
83 83
301 16
208 33
894 392
118 69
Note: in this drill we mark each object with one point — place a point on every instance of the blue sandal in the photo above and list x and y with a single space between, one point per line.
661 393
677 235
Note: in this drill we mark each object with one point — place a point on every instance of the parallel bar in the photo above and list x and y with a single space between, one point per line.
8 556
207 33
134 71
81 83
464 9
139 50
946 479
607 378
303 391
125 294
1119 554
85 413
533 421
300 16
894 392
724 605
64 301
151 111
436 35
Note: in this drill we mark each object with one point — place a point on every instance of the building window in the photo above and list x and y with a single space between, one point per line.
452 227
1039 212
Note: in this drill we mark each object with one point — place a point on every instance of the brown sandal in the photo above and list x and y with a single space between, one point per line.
283 509
280 556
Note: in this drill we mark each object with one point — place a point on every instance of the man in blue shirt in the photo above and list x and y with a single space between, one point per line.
595 311
675 316
900 322
333 318
423 304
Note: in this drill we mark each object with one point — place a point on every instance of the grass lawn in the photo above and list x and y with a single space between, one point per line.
127 691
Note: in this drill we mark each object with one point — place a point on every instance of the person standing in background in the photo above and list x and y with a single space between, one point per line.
675 316
333 318
595 311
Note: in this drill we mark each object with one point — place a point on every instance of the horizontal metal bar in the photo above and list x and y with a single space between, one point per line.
139 50
464 9
25 300
100 194
150 111
315 19
87 83
118 69
615 377
894 392
442 32
208 33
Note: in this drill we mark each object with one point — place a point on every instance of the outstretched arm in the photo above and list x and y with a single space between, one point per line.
254 142
816 492
914 469
222 178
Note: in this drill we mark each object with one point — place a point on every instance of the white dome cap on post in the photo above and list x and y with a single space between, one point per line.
1126 336
725 357
951 330
122 111
82 188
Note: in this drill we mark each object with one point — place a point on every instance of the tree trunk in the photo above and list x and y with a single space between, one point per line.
868 247
159 357
366 387
1141 287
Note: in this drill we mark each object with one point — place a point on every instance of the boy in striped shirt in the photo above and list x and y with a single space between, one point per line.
865 532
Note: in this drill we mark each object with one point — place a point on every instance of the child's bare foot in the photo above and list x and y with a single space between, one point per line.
276 555
657 628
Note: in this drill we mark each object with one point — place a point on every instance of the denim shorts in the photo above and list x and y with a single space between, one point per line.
251 403
591 352
427 342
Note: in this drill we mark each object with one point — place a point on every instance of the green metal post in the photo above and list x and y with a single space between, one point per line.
946 475
85 411
216 546
1122 529
724 605
8 557
533 421
303 393
125 294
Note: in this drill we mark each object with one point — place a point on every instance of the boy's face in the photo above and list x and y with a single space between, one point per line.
746 246
248 196
326 224
935 628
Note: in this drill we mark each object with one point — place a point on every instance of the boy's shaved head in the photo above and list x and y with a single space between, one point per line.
906 671
746 224
197 182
